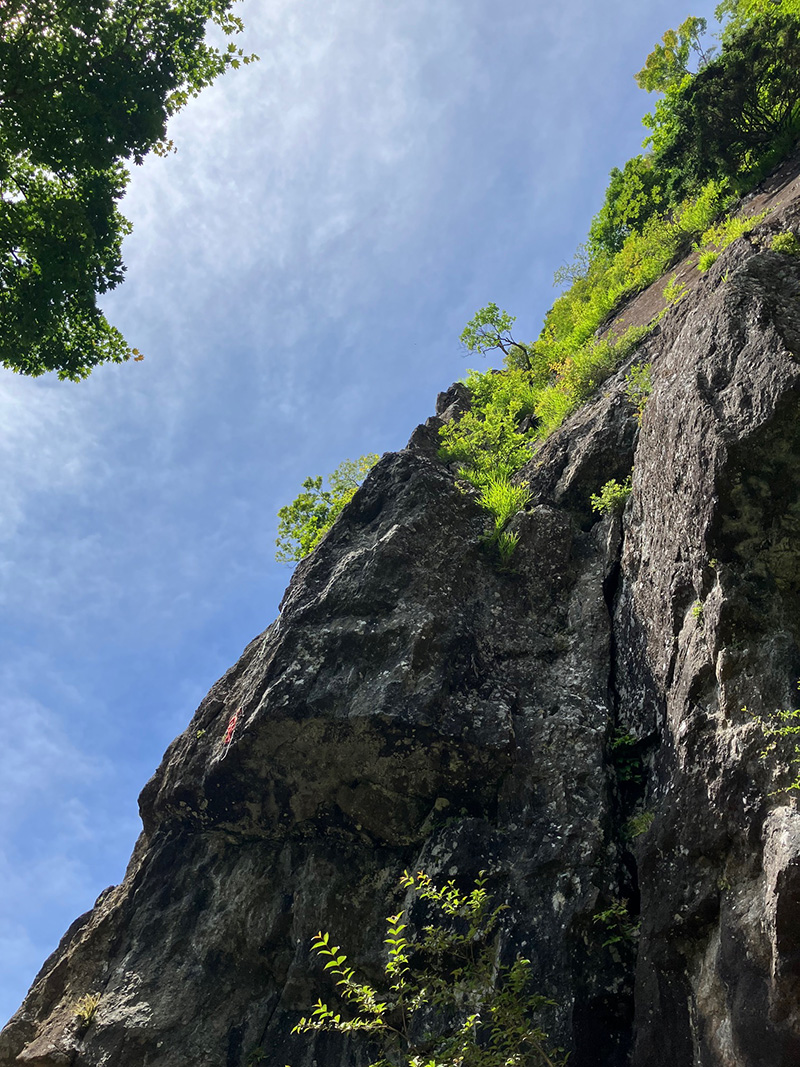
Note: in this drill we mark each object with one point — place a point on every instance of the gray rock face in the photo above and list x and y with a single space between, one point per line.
577 726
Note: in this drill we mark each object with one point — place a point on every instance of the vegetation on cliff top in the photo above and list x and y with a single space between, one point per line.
714 133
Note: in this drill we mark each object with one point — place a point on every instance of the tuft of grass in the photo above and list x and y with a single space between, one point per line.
707 260
85 1008
638 824
502 499
506 542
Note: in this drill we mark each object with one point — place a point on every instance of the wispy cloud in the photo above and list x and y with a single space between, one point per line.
38 761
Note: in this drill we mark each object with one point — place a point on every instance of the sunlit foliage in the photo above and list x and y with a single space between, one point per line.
303 523
85 85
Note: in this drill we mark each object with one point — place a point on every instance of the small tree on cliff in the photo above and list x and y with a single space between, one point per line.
490 329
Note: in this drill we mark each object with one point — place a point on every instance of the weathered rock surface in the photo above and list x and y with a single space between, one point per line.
415 706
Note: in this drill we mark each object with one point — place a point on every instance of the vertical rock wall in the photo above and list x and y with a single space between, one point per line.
709 601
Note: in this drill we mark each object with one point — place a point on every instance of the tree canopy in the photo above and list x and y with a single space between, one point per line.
740 106
85 86
668 63
633 196
736 14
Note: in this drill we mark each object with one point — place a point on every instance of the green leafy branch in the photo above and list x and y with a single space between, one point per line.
625 757
781 729
446 1001
639 386
303 523
618 925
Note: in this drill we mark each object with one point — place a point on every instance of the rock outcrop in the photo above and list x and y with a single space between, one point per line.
581 726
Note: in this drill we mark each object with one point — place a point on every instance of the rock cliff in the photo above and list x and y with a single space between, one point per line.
581 726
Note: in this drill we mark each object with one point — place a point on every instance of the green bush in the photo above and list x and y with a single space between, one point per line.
718 237
303 523
445 999
697 213
728 230
486 440
555 403
490 447
781 730
786 243
612 497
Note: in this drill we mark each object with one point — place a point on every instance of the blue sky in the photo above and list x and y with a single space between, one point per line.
298 277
